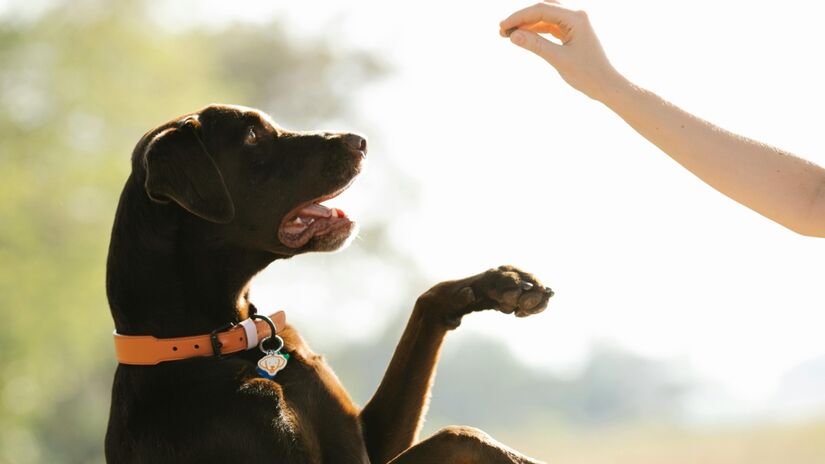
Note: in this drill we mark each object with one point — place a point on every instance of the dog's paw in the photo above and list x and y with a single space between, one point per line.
509 290
506 289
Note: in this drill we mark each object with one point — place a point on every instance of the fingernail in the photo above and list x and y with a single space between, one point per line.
518 38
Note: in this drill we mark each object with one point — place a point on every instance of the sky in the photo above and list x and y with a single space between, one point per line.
513 166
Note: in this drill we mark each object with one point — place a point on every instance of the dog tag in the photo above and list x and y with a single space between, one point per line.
271 364
274 361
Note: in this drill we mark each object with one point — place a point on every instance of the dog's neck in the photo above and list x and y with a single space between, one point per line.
165 281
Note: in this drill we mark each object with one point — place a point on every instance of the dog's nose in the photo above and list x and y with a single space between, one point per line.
356 144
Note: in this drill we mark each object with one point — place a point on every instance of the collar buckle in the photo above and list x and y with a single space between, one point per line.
213 338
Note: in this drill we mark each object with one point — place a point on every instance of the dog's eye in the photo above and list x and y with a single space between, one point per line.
251 137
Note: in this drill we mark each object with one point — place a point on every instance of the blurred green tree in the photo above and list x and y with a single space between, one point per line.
481 383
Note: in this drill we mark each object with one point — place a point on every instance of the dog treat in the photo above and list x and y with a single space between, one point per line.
510 31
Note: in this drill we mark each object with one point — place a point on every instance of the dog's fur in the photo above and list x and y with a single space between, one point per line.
198 217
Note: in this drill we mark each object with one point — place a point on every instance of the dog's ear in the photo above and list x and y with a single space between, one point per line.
178 168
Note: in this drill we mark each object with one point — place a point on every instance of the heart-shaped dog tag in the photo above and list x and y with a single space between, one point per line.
271 364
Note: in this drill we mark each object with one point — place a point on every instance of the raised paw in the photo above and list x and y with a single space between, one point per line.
510 290
506 289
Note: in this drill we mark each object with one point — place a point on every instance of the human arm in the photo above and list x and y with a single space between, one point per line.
779 185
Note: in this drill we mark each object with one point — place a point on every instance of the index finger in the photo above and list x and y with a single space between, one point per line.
540 12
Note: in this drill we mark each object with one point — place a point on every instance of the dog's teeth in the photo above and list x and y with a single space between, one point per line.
298 220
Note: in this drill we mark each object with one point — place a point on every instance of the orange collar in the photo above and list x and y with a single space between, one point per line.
147 350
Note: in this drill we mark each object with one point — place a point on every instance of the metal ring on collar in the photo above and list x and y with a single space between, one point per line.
273 331
266 319
277 339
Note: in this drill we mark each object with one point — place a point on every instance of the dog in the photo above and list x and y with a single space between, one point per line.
214 197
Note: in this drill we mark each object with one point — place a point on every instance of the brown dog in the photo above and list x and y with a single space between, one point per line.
213 198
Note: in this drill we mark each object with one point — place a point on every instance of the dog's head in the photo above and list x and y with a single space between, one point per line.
246 182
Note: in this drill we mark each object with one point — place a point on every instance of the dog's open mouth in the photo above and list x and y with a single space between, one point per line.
313 219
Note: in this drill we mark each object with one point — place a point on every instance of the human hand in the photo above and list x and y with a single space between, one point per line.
579 59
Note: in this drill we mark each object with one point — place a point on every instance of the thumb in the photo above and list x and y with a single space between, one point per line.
537 44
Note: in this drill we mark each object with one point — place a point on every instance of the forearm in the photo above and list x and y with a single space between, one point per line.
776 184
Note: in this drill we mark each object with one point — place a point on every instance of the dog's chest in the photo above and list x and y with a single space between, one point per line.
325 416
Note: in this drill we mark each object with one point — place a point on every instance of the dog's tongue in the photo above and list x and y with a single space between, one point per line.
308 215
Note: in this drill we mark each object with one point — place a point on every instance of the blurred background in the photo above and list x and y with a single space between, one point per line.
685 328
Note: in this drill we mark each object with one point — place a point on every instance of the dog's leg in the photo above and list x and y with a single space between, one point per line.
392 419
461 445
